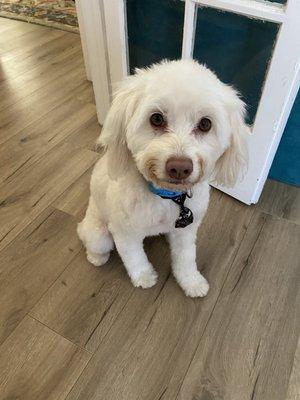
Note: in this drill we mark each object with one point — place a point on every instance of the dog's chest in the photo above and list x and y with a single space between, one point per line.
148 214
159 215
156 217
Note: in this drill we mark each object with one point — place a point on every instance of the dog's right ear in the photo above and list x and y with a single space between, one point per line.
113 135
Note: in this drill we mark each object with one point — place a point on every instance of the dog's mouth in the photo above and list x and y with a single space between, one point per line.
178 182
175 184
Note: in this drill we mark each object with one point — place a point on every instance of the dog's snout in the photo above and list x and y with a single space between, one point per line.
179 168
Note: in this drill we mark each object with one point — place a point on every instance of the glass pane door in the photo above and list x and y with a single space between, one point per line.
155 30
238 49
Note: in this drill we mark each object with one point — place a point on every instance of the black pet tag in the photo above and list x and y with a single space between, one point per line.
185 216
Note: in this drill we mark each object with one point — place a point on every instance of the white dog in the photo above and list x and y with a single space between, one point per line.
171 128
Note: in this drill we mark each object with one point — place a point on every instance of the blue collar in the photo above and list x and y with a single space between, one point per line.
185 214
165 193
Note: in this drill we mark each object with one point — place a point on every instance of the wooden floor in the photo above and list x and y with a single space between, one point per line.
72 331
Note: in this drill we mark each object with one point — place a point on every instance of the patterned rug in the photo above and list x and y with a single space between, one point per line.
59 14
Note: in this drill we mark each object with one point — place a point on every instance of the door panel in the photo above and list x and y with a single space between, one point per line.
238 49
163 36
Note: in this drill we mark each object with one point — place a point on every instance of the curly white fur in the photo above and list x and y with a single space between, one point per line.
122 210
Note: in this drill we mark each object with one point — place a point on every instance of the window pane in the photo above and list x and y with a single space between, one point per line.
238 49
155 29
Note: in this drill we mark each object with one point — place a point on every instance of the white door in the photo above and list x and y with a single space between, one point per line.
103 25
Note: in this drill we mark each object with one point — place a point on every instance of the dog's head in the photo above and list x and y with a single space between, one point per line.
179 124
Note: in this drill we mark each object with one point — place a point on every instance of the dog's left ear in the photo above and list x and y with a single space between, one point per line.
113 135
233 162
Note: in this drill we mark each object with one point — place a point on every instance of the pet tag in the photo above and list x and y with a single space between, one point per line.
185 216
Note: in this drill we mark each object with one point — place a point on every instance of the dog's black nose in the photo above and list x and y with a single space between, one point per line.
179 168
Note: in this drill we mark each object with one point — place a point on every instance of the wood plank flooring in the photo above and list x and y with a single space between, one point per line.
71 331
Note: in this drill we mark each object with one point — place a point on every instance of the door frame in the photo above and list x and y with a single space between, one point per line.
94 45
106 39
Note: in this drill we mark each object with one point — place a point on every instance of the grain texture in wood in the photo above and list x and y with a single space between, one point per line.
86 135
294 385
42 75
14 119
88 310
35 188
281 200
75 199
31 143
19 61
247 349
32 262
11 29
29 40
38 364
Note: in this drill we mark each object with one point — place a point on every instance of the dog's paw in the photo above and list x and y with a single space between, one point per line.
195 286
97 259
145 279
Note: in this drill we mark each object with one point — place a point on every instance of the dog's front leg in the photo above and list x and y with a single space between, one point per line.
135 260
183 252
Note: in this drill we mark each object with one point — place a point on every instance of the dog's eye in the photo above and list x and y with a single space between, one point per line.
204 124
157 120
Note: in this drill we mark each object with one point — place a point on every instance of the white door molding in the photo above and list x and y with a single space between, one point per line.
258 9
93 37
83 37
116 34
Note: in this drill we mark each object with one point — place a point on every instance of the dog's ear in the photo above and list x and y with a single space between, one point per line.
233 162
113 135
